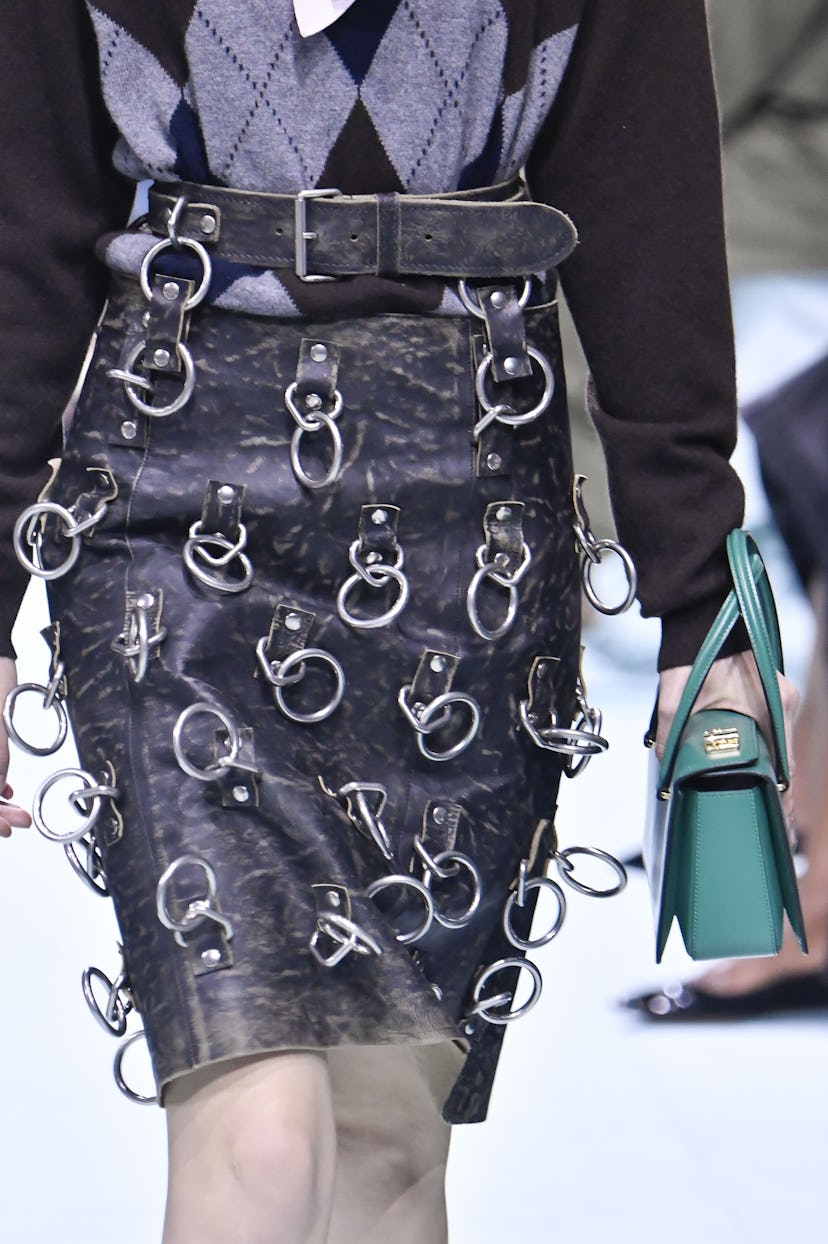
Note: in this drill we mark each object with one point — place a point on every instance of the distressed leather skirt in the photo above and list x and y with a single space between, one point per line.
321 617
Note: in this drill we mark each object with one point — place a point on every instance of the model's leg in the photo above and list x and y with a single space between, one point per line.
251 1152
392 1143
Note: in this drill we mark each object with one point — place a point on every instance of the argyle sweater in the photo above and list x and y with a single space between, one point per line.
608 104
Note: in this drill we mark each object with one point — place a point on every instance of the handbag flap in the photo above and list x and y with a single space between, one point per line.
718 739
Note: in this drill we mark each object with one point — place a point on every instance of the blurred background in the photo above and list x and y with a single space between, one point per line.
601 1122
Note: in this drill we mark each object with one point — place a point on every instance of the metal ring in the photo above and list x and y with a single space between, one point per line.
587 564
565 868
324 420
209 774
114 1018
299 658
482 1005
430 711
119 1074
197 543
462 861
408 883
14 734
524 943
164 244
312 421
564 739
333 925
160 412
464 293
197 909
88 821
485 572
92 873
389 572
28 519
516 419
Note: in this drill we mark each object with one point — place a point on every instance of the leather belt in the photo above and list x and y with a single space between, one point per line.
320 234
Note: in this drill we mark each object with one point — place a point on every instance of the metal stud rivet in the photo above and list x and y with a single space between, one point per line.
503 513
501 560
208 224
161 357
379 517
494 461
211 957
313 401
129 430
511 365
373 557
541 669
145 601
318 353
440 815
293 622
170 291
241 794
226 494
145 318
333 898
438 664
498 299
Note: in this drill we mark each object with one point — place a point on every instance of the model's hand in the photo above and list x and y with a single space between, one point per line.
733 682
10 815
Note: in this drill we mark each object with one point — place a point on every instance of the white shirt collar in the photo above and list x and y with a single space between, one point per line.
314 15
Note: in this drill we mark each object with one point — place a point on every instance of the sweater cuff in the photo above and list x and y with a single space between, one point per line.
683 632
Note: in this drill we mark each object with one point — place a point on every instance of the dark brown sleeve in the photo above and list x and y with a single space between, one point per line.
631 153
58 192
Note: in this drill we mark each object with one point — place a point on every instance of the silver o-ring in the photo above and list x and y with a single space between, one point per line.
92 873
407 883
228 586
165 880
88 821
193 710
164 244
485 632
430 712
27 520
161 412
388 572
526 416
566 867
587 565
114 1018
327 421
480 1008
13 733
462 861
299 658
526 943
141 1098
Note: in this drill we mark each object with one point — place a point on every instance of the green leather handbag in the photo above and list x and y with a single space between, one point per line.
717 853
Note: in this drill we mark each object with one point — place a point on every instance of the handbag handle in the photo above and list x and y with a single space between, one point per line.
751 599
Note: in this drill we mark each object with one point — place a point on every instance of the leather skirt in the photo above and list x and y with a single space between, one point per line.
314 611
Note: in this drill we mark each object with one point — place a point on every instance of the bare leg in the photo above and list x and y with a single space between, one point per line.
251 1152
392 1142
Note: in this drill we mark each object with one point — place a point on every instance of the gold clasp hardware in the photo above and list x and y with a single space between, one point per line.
719 741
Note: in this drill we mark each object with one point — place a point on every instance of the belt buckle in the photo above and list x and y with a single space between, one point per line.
303 235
